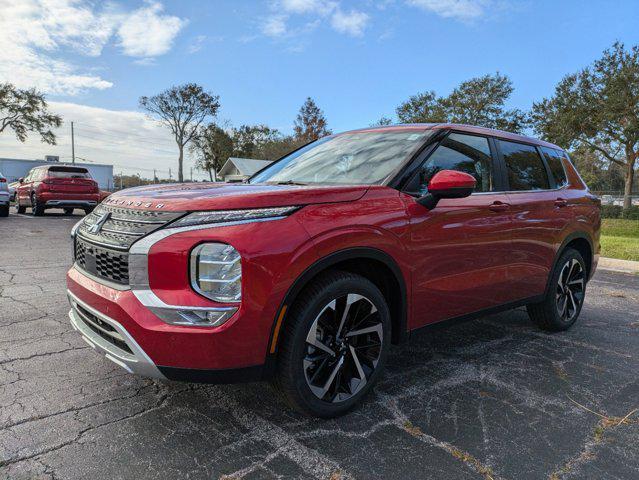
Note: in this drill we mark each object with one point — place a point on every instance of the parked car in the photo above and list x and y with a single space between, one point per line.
309 272
57 186
4 196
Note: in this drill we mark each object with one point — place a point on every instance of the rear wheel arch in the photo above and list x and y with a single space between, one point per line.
375 265
581 242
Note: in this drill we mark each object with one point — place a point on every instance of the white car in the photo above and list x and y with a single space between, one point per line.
4 196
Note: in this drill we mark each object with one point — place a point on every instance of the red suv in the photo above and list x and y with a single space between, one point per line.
308 272
57 187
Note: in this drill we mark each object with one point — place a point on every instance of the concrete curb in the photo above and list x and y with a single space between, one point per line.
616 265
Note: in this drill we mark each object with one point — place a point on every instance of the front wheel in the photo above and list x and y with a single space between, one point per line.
334 344
561 307
4 211
68 211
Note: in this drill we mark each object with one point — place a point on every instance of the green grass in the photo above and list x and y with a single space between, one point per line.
620 238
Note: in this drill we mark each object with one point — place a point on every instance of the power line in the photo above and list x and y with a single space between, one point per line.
115 130
143 138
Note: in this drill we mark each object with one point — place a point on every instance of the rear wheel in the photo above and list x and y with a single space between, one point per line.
88 210
68 211
19 208
37 208
334 344
4 211
562 305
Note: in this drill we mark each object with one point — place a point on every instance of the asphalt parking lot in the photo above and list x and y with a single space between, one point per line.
494 398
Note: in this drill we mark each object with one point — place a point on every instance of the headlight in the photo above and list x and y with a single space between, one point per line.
222 216
216 272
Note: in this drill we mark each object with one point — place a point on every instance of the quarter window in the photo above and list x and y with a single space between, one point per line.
553 158
526 170
465 153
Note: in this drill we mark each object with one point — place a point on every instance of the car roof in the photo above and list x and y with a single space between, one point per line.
459 127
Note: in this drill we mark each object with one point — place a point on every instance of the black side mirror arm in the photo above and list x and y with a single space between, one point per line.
429 201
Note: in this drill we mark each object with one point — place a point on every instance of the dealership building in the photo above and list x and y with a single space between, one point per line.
15 168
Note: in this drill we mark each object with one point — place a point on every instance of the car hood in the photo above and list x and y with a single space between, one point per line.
230 196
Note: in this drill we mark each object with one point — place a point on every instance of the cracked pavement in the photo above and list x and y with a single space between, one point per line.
493 398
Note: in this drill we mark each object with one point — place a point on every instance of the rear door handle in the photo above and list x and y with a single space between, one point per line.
560 202
499 206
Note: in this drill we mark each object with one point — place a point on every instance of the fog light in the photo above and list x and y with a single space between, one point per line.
207 318
216 272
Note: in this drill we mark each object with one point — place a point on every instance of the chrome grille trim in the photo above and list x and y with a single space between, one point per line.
123 226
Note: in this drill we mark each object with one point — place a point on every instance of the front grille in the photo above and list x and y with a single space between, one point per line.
101 262
104 329
104 253
123 225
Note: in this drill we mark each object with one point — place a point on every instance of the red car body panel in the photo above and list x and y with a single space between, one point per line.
467 255
233 196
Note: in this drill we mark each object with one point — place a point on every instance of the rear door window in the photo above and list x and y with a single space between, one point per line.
68 172
553 158
465 153
526 170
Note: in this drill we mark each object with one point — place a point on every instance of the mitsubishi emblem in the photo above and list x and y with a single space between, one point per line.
97 226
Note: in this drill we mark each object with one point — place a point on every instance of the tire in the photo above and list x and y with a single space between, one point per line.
20 208
37 209
88 210
357 357
561 307
68 211
4 211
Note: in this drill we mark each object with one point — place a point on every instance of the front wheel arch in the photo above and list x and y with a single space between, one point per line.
353 260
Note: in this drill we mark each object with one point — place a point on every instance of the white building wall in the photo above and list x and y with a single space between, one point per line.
15 168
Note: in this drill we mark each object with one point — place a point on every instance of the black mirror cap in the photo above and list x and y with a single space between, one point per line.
430 199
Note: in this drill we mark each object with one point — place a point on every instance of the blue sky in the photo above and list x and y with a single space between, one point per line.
357 59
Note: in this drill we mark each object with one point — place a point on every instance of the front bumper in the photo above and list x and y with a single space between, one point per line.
153 348
111 339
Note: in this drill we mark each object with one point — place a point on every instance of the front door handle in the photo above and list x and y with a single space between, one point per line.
560 202
499 206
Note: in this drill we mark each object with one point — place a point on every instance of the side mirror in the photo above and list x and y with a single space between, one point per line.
447 184
21 180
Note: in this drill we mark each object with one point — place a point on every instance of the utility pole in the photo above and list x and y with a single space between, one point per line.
191 173
155 177
72 145
170 177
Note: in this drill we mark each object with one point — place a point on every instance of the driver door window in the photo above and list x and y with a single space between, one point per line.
465 153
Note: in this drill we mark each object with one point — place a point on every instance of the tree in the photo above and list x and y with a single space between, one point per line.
598 108
310 123
479 101
248 140
25 111
183 109
382 122
212 147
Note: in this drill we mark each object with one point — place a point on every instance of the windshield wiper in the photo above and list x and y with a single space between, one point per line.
290 182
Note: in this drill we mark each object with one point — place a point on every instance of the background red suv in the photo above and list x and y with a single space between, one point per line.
309 272
57 187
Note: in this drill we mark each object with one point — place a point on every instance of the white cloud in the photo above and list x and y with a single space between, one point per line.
351 23
129 140
458 9
147 33
322 7
275 26
34 35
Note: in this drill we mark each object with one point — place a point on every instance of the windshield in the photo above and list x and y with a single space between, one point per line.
364 158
